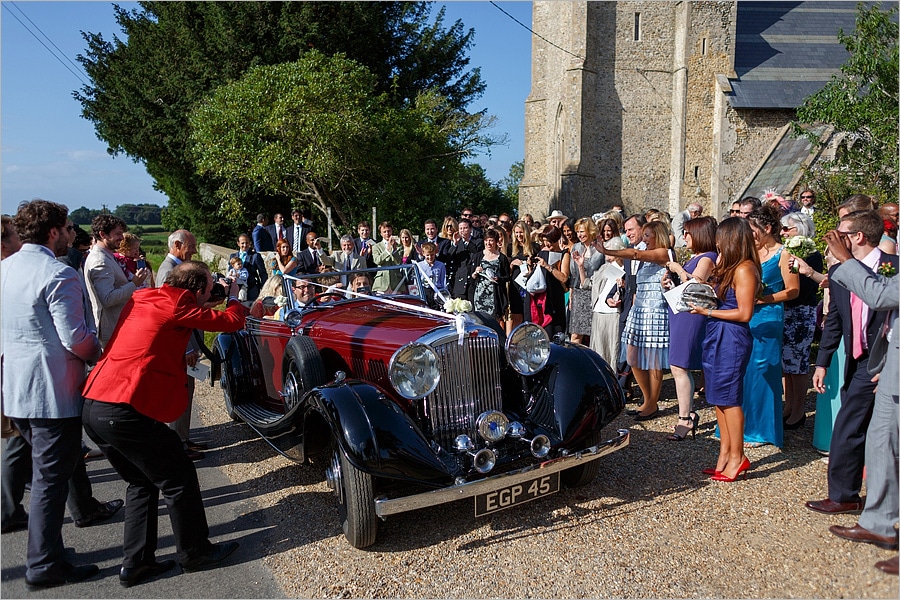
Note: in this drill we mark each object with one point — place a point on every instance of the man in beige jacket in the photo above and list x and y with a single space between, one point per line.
107 284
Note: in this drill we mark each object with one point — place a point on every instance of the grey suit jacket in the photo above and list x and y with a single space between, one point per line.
108 289
880 294
46 342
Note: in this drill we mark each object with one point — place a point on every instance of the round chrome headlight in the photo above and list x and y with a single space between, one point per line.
414 370
293 318
528 348
492 426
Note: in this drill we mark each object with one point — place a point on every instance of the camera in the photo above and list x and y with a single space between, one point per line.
221 285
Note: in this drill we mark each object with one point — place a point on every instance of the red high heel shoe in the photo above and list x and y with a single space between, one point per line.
711 471
742 470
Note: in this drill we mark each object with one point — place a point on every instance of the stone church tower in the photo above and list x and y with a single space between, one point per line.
658 104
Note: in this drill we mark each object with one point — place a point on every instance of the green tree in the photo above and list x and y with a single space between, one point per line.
862 104
317 131
174 54
510 183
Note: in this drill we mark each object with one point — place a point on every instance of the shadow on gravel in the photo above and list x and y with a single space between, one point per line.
652 469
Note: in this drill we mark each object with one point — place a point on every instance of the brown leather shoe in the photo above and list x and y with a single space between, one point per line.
830 507
857 533
889 566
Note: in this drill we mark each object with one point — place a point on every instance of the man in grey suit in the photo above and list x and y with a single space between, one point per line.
46 344
876 523
347 259
182 247
107 285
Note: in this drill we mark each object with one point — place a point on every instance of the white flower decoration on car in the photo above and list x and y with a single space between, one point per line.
281 301
457 306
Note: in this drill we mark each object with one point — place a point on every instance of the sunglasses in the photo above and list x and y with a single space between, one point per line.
806 197
734 212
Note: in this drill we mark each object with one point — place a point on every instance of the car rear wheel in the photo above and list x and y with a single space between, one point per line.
356 500
303 370
585 473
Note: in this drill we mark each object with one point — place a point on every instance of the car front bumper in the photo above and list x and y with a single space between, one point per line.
385 507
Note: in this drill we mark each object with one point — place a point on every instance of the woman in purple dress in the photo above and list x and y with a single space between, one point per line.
728 343
688 329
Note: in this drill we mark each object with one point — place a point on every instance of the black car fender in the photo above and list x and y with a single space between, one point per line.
377 436
575 394
234 367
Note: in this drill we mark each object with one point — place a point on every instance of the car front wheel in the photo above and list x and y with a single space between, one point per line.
585 473
356 500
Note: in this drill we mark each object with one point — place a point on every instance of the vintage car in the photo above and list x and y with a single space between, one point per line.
407 406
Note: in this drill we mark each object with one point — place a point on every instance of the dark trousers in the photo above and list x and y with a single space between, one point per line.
848 437
56 446
17 472
150 457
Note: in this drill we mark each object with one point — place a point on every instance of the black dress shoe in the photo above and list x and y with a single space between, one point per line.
830 507
129 576
16 524
70 574
103 512
216 554
196 446
857 533
653 415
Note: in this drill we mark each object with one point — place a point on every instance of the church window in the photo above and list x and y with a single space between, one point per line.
637 26
703 47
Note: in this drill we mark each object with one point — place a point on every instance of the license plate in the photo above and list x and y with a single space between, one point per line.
515 494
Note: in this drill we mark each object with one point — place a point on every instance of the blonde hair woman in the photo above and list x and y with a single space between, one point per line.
449 228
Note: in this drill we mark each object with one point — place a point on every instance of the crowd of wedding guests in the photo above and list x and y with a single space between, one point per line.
602 280
748 313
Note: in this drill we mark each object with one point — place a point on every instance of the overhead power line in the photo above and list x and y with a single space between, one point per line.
60 56
536 34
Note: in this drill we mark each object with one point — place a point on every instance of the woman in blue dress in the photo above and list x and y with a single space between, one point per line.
727 344
763 386
685 355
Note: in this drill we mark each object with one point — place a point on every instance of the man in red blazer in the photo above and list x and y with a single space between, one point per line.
138 386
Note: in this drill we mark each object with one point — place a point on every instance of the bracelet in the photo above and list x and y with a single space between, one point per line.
708 312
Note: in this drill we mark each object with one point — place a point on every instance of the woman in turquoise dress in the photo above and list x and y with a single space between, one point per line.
763 387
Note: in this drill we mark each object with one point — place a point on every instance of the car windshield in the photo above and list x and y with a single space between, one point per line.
322 289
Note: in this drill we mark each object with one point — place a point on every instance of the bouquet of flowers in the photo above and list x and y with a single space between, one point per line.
801 247
281 301
457 306
887 269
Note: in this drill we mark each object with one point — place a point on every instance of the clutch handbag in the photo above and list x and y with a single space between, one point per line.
701 294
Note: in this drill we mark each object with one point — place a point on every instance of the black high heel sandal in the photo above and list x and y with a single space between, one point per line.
694 420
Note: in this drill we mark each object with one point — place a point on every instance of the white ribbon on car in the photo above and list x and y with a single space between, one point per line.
460 319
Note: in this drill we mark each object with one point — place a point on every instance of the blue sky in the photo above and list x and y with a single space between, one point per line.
49 151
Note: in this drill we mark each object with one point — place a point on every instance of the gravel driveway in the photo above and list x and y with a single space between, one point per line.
651 525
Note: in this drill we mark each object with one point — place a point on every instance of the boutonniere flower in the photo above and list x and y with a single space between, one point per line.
457 306
887 269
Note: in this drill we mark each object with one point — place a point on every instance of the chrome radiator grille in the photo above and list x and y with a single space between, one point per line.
469 385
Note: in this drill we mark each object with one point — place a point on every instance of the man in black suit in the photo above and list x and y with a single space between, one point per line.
850 318
311 258
432 235
459 255
262 241
623 295
296 232
277 230
253 262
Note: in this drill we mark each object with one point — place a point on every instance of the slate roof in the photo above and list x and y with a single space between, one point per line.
785 51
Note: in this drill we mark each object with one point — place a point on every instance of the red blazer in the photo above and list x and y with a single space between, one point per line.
144 363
